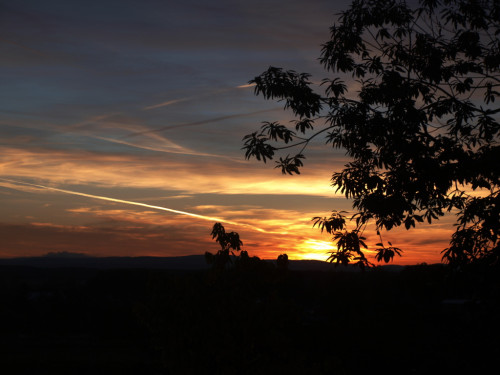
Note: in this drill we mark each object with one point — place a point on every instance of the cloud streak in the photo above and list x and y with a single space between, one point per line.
160 208
213 92
195 175
202 122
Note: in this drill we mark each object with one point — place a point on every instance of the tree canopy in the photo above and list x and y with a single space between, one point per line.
421 125
226 257
228 241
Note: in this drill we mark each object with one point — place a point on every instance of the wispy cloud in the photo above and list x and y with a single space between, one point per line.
140 204
165 104
194 97
98 127
201 122
246 85
169 149
203 217
60 167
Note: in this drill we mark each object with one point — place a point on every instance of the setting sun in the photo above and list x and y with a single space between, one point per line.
314 249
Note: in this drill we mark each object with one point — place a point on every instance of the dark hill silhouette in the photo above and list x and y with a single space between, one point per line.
65 260
188 262
65 254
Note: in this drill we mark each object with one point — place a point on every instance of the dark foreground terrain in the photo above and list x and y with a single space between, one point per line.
261 320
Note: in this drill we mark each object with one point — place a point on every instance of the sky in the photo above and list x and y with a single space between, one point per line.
121 126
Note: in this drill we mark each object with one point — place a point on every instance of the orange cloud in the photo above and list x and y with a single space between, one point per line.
189 176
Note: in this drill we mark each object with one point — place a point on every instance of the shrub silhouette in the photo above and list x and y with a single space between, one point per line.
282 261
229 244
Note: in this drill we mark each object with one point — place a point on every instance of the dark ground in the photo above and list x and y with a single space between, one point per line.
419 320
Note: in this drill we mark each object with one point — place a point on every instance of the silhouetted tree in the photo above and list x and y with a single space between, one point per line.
282 261
228 242
422 130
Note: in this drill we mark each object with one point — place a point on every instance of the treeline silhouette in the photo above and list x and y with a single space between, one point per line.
250 320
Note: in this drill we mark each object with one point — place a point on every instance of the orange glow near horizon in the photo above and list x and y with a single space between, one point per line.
313 249
265 232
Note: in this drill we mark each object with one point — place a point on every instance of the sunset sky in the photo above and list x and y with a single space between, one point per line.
122 125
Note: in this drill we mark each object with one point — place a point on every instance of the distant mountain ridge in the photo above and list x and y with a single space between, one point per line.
71 260
188 262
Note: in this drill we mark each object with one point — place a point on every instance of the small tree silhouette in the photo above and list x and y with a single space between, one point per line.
282 261
229 242
226 258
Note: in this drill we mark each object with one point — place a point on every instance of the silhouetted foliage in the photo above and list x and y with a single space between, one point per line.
422 131
282 261
226 257
228 242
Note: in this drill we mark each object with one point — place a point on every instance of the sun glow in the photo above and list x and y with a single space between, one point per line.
319 245
314 249
310 256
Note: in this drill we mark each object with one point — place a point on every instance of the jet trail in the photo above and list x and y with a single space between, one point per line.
203 217
213 92
201 122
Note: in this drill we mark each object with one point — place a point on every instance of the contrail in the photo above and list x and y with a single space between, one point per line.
181 150
203 217
201 122
167 103
213 92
